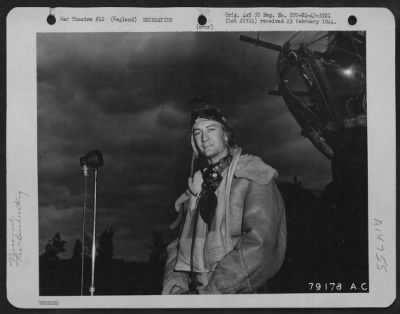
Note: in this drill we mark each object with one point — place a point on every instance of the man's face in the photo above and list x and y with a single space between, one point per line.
210 139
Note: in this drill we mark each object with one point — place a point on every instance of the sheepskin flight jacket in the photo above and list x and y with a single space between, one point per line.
258 232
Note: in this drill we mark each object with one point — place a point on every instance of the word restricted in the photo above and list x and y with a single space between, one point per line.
48 302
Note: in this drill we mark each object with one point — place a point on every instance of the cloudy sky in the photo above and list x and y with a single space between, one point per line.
130 95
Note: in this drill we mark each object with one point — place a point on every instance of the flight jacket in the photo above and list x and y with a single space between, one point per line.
258 232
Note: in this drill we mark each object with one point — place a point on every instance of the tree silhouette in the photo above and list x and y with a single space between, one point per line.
88 245
77 251
54 247
106 246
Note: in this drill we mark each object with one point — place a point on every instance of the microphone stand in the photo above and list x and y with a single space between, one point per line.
92 289
85 175
94 160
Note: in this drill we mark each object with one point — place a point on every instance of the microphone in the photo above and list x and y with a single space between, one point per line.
85 169
93 159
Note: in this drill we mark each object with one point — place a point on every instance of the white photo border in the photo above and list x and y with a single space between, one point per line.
22 176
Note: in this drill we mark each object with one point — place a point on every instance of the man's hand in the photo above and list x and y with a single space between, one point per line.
195 183
180 201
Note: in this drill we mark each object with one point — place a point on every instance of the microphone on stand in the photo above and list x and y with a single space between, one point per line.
93 159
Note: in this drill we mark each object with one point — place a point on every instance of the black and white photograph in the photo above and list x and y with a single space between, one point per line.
124 121
228 163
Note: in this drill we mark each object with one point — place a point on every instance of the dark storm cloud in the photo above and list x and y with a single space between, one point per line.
129 96
117 72
183 68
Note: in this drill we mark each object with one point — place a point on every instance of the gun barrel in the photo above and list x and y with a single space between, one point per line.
261 43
